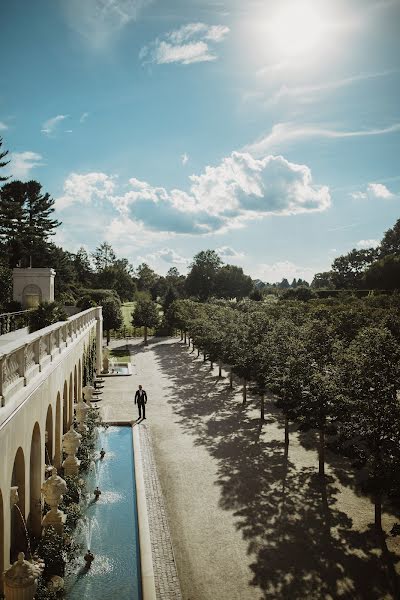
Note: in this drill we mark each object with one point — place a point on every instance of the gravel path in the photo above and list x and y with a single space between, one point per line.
247 521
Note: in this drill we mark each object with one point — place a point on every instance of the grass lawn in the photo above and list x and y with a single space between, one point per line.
127 309
120 354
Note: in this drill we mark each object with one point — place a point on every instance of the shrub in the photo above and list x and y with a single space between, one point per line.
46 314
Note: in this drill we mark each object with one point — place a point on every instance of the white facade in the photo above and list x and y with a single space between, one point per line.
40 381
31 286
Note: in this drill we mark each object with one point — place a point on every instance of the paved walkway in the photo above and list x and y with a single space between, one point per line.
247 522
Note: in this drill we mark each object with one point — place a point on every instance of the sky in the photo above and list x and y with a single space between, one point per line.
268 131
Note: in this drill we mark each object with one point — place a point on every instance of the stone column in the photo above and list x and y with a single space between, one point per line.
20 580
71 443
99 340
53 489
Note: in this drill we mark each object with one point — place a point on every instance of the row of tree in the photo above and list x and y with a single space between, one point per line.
332 367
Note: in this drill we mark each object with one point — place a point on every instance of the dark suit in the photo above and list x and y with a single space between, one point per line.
141 399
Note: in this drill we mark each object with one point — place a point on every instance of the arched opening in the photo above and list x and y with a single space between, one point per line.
49 450
79 380
35 472
1 541
75 385
71 401
18 535
57 436
65 408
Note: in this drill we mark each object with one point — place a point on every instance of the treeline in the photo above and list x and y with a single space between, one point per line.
371 268
331 366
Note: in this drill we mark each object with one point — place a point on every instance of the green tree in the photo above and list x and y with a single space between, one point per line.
26 220
323 281
231 282
384 274
390 243
369 372
348 270
112 315
104 257
47 313
83 266
317 403
201 279
146 277
170 297
3 163
145 314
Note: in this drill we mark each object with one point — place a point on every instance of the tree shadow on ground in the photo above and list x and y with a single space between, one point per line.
301 545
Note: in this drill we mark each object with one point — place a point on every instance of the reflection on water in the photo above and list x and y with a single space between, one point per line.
110 526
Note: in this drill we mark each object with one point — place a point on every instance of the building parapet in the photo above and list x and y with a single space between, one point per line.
23 359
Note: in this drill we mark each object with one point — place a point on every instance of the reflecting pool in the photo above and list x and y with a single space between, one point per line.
110 529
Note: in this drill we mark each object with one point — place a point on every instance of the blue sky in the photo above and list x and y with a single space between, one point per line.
266 130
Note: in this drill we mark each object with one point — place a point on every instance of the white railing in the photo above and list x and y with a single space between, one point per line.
23 359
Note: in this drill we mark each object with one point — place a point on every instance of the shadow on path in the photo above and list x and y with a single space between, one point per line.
302 547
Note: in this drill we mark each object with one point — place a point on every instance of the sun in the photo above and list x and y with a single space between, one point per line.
297 29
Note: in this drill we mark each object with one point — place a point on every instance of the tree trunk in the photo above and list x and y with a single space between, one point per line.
321 452
219 369
108 336
244 391
185 337
189 342
230 379
286 435
204 357
198 351
378 512
181 335
211 365
262 407
145 335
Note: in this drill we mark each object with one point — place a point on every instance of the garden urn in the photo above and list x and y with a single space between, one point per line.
20 580
53 489
71 442
81 414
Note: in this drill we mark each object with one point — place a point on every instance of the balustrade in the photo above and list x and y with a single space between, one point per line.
22 359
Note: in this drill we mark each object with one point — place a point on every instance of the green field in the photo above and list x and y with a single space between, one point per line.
127 309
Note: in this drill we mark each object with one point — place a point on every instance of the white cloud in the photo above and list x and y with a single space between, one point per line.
50 125
228 253
368 244
21 163
184 158
379 190
189 44
3 126
170 256
275 272
226 196
85 189
373 191
98 21
283 134
83 117
309 92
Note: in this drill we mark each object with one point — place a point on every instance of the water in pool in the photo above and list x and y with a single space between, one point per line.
110 527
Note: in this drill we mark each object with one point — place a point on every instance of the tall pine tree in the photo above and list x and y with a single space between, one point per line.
25 221
2 162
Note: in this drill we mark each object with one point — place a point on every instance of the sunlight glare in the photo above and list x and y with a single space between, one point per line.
296 29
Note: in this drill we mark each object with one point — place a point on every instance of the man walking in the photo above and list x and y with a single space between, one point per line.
141 399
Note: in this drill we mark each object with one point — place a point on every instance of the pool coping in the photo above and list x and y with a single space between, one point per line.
146 558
